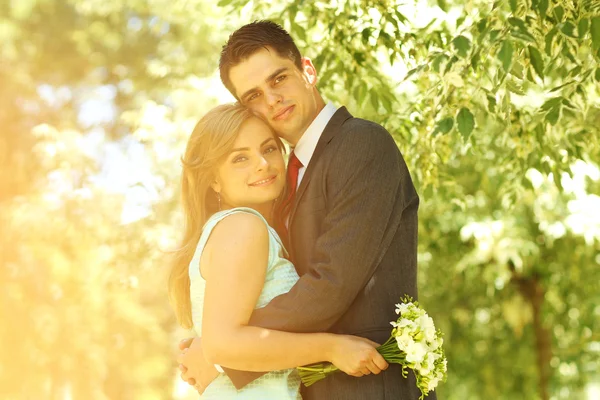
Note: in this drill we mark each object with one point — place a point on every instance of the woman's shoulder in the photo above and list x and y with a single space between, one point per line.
237 223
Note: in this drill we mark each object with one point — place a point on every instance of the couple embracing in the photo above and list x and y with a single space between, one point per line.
282 269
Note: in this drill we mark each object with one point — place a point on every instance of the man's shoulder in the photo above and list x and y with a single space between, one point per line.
362 125
362 132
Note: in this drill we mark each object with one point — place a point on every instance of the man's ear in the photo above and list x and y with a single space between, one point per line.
309 71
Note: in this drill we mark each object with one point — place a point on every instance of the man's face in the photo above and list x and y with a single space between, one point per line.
276 90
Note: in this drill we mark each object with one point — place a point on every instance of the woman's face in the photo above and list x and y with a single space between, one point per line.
253 174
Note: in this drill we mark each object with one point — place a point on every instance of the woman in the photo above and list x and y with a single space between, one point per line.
232 261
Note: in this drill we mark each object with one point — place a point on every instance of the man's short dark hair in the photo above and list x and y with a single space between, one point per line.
251 38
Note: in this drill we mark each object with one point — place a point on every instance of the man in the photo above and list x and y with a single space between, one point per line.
352 222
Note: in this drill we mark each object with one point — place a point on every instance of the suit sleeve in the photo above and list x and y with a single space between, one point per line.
364 179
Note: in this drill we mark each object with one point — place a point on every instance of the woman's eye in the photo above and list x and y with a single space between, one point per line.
270 149
252 97
239 159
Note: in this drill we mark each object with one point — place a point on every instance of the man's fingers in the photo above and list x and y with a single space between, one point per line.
372 343
373 368
182 368
185 343
184 377
380 362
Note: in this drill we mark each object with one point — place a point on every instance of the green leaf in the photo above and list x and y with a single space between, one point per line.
374 97
517 70
482 25
559 13
516 22
361 92
491 103
567 103
582 27
435 64
465 121
445 125
475 60
515 87
359 57
224 3
595 31
525 36
556 89
366 34
505 54
494 34
548 39
543 7
550 103
530 75
552 115
513 5
575 71
387 103
597 74
442 4
567 53
568 29
536 61
400 16
462 45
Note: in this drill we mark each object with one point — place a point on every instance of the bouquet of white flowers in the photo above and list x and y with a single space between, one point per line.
415 344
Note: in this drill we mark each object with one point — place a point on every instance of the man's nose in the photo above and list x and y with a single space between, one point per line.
273 98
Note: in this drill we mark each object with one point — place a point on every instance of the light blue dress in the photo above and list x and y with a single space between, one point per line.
279 279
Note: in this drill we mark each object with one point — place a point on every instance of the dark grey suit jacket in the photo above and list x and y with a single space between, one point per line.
353 240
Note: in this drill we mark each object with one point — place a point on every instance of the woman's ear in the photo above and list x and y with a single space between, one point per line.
215 186
309 71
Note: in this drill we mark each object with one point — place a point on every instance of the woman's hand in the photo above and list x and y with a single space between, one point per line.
356 356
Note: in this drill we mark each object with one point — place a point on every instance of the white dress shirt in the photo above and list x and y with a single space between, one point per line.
307 144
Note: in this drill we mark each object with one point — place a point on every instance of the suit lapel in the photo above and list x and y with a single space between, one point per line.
331 129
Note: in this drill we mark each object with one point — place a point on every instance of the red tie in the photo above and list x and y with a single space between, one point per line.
294 166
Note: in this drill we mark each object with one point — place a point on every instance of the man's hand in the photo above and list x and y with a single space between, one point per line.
195 370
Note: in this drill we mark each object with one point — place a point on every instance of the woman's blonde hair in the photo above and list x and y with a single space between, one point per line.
208 146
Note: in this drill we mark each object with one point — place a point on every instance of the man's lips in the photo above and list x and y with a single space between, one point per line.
283 113
263 182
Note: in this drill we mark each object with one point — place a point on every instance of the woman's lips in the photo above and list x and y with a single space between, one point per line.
264 182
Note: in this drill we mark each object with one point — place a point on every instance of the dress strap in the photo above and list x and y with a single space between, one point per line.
194 267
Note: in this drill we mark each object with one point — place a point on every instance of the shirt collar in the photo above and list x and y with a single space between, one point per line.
308 142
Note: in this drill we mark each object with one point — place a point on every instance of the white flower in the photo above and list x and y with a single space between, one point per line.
425 322
407 324
402 308
428 363
433 382
437 342
415 352
404 341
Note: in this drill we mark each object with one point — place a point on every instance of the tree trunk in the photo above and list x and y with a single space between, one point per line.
531 289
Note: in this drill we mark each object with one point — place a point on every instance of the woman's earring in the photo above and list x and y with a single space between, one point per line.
219 200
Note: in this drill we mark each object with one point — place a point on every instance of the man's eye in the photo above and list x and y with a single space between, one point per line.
280 78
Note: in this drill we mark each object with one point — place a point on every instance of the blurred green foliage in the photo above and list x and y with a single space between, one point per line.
495 106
